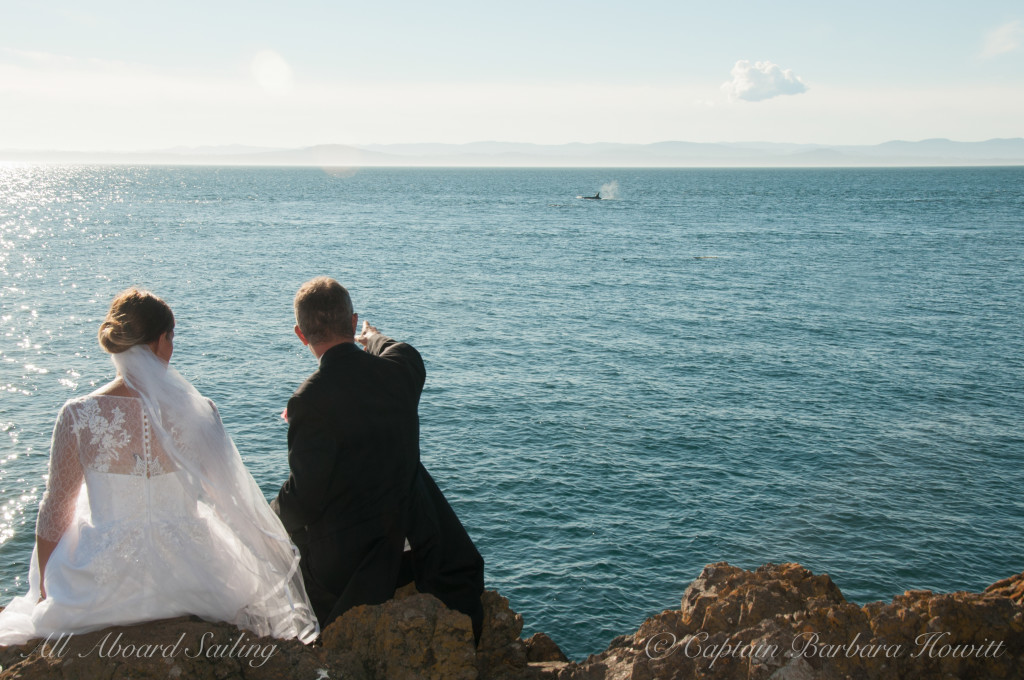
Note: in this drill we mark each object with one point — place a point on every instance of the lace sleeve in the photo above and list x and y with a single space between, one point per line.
57 508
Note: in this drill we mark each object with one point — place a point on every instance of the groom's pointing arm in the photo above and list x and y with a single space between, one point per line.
400 353
312 454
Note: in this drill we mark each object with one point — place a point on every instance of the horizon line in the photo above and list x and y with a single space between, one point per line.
932 152
174 148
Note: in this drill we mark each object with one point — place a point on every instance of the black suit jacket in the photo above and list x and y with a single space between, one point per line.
357 489
353 440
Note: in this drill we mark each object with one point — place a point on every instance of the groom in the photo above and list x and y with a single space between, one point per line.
358 496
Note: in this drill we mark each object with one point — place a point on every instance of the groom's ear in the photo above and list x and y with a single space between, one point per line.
355 325
301 336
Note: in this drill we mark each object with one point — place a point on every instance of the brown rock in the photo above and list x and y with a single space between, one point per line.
501 654
546 670
953 635
540 648
415 638
1012 588
725 597
783 622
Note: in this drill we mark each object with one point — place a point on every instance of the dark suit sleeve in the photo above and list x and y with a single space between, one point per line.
403 354
312 457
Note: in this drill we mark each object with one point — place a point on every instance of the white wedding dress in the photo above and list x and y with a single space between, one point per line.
156 517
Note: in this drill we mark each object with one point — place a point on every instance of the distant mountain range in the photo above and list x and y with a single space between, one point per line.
929 152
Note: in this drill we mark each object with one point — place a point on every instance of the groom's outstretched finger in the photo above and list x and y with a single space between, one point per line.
366 333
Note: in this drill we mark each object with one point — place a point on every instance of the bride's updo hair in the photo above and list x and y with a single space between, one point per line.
136 317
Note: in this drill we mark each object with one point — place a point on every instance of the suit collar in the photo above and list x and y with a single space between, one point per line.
337 353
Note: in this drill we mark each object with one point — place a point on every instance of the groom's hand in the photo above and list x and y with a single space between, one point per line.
368 332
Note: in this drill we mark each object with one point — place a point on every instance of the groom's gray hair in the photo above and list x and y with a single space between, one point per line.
323 310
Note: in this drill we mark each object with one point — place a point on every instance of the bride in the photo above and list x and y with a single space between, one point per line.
170 523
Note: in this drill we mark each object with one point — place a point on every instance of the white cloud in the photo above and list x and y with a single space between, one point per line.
762 80
1006 38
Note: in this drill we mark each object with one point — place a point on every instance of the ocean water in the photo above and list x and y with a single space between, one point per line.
821 366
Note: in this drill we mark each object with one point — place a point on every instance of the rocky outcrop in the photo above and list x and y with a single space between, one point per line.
540 648
779 622
502 654
1012 588
413 638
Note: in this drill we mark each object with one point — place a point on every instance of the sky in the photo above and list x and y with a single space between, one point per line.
111 75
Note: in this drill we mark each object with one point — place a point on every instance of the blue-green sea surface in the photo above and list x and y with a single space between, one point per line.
820 366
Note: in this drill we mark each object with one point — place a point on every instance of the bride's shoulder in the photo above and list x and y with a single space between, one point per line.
114 388
77 407
79 401
110 393
84 402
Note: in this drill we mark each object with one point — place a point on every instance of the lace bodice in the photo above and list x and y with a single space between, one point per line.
106 441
